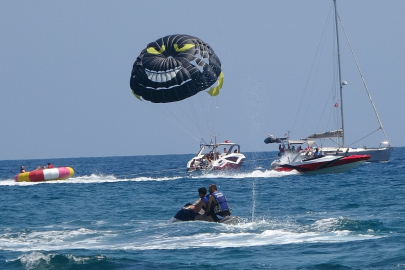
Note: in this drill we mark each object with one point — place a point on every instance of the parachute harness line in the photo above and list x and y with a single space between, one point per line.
364 82
174 117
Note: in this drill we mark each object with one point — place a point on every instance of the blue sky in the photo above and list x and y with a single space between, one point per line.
65 69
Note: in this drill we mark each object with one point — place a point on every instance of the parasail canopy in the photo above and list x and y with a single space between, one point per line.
176 67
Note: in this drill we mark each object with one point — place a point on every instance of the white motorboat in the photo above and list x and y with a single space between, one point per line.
306 162
210 157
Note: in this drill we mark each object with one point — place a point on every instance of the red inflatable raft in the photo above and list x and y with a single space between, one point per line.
60 173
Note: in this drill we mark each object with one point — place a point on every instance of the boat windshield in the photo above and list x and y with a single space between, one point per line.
216 151
303 155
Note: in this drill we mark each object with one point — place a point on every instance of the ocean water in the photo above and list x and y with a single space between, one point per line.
114 212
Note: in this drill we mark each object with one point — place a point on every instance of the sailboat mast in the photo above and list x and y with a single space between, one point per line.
340 75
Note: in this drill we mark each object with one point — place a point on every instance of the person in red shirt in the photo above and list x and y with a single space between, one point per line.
50 165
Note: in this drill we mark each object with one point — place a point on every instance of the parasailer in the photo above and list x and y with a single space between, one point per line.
176 67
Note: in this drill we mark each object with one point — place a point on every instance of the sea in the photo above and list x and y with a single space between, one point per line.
114 214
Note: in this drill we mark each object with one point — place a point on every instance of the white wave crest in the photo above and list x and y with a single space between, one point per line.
249 239
38 260
149 236
32 260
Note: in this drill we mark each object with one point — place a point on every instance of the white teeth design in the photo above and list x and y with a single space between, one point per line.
159 77
162 76
169 76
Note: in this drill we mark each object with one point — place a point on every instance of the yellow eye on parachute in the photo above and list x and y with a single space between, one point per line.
152 50
184 48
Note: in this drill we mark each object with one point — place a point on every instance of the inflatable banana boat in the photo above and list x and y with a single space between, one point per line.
60 173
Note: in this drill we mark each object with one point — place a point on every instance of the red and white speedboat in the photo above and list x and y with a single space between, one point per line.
217 156
306 162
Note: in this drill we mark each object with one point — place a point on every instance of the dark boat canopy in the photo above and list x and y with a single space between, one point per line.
325 135
274 139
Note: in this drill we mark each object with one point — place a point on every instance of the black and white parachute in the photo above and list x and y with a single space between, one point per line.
174 68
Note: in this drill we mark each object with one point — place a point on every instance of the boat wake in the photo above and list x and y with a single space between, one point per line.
101 178
88 179
239 174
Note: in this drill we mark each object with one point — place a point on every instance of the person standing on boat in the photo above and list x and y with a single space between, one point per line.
282 150
224 153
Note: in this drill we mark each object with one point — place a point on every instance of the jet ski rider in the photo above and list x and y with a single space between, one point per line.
188 212
215 205
200 206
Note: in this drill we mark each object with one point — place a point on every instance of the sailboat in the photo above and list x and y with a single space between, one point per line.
383 152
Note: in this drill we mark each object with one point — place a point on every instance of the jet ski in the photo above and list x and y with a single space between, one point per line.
187 214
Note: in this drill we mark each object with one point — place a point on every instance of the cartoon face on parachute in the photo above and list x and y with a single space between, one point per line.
174 68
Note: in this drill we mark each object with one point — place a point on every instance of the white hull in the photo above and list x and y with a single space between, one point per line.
377 154
306 162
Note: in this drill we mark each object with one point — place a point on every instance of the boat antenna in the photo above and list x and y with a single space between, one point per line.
215 135
202 142
340 75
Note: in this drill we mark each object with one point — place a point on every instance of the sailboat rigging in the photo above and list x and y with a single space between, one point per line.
381 153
